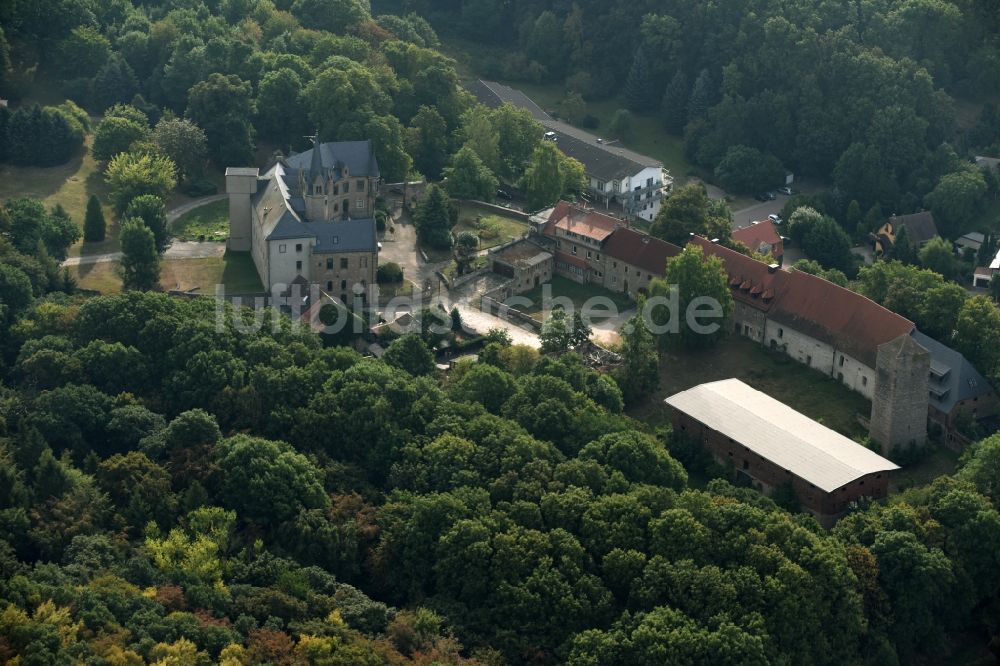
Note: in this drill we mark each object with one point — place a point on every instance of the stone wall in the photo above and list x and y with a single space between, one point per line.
900 399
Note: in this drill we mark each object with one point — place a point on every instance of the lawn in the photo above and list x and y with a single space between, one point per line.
817 396
579 294
492 228
209 222
70 185
235 270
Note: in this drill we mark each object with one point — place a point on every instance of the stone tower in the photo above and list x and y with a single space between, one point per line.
899 402
241 185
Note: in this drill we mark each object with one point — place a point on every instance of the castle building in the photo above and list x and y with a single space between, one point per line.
310 219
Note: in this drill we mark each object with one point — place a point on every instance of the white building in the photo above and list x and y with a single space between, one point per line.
309 219
617 177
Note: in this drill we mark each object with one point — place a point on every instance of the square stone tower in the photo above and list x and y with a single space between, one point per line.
241 185
899 402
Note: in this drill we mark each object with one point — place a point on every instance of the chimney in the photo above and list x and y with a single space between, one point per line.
772 268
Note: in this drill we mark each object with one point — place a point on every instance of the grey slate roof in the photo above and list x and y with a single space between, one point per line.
356 155
919 226
602 160
493 95
953 378
280 207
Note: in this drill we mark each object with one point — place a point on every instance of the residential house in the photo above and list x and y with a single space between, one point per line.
771 445
983 274
761 237
310 219
969 243
920 228
619 178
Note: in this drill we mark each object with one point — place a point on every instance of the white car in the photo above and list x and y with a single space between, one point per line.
774 218
786 190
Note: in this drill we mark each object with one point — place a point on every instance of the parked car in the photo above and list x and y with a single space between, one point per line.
504 194
787 191
774 218
771 196
762 197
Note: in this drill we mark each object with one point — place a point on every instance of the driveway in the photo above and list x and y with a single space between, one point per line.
400 246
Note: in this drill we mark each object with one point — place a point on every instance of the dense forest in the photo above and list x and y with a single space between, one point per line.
179 492
182 483
861 93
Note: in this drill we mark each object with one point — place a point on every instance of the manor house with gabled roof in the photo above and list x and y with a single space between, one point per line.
309 219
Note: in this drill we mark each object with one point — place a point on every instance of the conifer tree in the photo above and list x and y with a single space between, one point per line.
675 102
94 226
638 86
701 96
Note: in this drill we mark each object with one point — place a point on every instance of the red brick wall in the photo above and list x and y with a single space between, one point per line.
769 475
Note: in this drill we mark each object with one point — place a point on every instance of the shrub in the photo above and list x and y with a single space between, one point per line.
390 273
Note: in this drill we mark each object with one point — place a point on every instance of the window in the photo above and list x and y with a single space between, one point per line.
343 285
336 207
864 381
614 264
360 204
336 240
598 256
361 186
364 263
329 285
589 255
281 248
781 332
614 279
574 249
809 360
298 265
318 190
336 189
329 264
841 360
344 262
347 188
637 273
298 247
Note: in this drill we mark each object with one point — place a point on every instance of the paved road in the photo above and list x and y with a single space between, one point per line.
177 249
743 218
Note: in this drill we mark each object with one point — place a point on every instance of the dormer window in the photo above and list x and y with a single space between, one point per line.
318 189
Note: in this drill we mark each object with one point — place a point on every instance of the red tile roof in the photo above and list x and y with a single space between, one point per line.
587 223
822 310
757 234
640 250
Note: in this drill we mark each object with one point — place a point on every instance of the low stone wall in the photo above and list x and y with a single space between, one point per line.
494 307
500 210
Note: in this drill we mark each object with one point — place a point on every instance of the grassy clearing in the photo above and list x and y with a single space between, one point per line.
492 228
209 222
941 462
102 277
69 185
814 394
235 270
579 294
